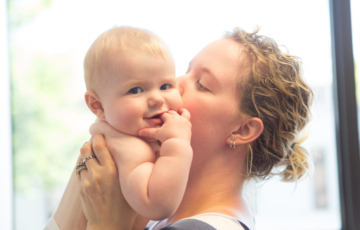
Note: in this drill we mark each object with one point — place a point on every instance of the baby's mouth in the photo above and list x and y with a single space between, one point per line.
156 116
155 120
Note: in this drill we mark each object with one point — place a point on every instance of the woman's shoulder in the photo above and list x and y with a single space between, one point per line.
207 221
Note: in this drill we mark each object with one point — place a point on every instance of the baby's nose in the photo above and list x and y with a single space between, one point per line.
156 100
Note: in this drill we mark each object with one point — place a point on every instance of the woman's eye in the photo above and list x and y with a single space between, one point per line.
135 90
200 86
165 86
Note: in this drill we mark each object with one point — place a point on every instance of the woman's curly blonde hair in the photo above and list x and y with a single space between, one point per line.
274 91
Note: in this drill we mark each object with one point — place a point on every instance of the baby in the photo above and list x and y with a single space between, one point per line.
131 85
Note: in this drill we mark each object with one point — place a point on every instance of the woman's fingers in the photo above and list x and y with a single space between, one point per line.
100 150
86 152
80 158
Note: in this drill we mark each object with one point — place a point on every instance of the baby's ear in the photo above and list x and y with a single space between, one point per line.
249 131
93 102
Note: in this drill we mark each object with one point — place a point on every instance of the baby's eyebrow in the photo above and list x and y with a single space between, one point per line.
169 78
134 82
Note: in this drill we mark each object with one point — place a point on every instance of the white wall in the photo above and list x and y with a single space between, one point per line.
6 191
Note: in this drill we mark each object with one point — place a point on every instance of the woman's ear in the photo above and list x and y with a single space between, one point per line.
249 131
93 102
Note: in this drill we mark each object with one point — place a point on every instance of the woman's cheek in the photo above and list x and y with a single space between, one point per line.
199 114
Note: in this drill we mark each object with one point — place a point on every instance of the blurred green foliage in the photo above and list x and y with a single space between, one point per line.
45 144
46 137
21 12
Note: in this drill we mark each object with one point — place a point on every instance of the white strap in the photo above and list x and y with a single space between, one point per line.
151 224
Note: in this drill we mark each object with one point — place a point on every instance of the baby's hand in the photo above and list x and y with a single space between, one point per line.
176 125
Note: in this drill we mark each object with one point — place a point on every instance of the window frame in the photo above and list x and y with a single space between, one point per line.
6 191
347 136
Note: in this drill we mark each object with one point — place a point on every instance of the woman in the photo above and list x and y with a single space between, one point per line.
248 103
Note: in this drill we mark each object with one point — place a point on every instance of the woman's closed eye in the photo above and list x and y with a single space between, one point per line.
201 87
136 90
165 86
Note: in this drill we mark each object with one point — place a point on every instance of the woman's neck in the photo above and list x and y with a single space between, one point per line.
214 187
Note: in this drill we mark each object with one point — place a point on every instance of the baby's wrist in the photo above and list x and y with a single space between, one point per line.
178 139
176 146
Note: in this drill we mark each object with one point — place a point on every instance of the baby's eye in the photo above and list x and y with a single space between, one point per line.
135 90
201 87
165 86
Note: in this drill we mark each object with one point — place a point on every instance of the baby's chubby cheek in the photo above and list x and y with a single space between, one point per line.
125 119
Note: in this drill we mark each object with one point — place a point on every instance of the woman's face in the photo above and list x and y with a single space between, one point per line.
208 90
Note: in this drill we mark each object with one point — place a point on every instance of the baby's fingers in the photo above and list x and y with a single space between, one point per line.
185 113
148 132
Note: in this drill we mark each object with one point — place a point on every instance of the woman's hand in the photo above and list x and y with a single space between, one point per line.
101 197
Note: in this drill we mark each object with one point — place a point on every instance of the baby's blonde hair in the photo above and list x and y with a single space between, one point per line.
116 40
273 90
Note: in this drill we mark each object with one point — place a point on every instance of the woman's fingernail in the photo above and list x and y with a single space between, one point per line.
85 143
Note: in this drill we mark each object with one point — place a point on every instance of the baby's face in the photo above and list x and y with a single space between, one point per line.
136 89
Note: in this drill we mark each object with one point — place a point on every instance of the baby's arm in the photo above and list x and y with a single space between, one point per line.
169 175
153 189
127 151
131 154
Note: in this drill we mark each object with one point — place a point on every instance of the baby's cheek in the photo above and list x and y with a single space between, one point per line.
114 119
118 117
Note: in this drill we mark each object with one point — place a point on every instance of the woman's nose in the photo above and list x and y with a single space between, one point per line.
155 100
180 81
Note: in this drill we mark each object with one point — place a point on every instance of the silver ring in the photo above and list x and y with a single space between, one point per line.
79 164
81 167
88 158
